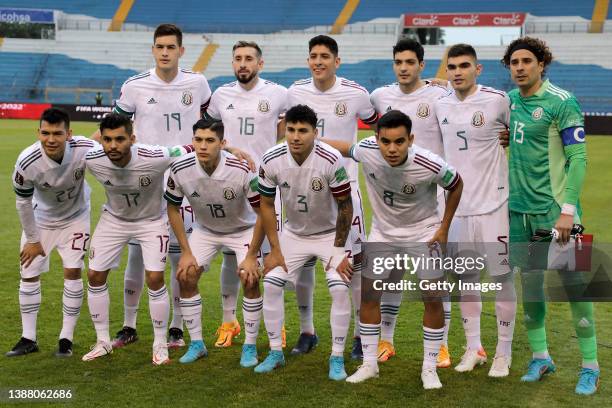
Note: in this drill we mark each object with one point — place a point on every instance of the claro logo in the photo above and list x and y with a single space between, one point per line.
466 21
422 21
514 20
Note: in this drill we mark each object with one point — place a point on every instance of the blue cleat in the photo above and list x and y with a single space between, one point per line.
336 368
306 342
249 356
537 368
587 382
196 350
357 351
274 360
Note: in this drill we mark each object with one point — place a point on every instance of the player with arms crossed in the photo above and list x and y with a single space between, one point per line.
133 178
471 119
250 108
219 188
53 208
415 97
547 169
402 180
338 103
315 190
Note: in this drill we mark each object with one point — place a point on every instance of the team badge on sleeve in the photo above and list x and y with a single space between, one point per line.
340 109
316 184
262 173
254 184
145 181
171 185
341 175
187 98
228 194
423 110
448 177
19 178
478 119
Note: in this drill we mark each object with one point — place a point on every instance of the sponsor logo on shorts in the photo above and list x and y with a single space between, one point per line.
263 106
145 181
478 119
340 109
228 194
316 184
187 98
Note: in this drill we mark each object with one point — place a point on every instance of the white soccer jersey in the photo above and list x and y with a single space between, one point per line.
470 132
250 118
337 110
220 202
59 190
419 106
403 195
307 190
134 192
164 113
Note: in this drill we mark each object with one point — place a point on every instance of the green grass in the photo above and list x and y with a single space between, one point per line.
127 378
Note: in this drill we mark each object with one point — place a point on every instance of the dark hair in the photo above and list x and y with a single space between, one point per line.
301 113
409 45
115 121
394 119
324 40
536 46
168 29
459 50
250 44
214 125
55 116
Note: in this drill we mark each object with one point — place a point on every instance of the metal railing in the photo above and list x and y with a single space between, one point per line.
535 27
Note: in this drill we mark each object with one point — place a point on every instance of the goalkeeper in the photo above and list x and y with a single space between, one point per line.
547 168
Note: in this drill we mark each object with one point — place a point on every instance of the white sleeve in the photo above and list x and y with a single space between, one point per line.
24 189
206 95
126 104
213 109
504 116
366 111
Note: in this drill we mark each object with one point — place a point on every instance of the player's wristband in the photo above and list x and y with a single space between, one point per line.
568 209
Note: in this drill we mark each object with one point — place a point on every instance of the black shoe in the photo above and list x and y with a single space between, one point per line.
124 337
305 343
65 349
357 351
23 346
175 338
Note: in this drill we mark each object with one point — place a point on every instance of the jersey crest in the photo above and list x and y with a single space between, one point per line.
263 106
145 181
478 119
423 110
228 194
340 109
187 98
409 188
316 184
537 113
78 174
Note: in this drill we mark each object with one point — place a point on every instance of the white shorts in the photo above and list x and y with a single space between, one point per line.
297 250
414 244
112 234
71 243
485 235
205 245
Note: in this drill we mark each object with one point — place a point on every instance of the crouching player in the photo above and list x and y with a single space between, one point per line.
401 179
133 178
219 189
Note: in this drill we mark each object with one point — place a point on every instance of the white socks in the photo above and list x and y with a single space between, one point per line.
72 300
98 301
159 308
29 304
432 340
133 283
191 310
251 311
230 287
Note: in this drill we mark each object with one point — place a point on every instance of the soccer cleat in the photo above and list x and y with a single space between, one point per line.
160 354
274 360
587 382
284 336
537 368
306 342
336 368
23 346
444 360
226 333
196 350
386 350
64 349
175 338
357 350
248 358
430 379
500 366
101 348
124 337
364 372
471 358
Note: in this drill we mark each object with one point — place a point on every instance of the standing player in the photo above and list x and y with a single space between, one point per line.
402 181
250 108
53 207
338 103
164 102
133 178
547 170
316 196
470 120
416 98
219 188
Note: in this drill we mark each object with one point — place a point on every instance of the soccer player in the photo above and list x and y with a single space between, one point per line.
53 208
315 190
470 120
338 103
415 97
219 188
547 169
164 102
133 178
250 108
401 179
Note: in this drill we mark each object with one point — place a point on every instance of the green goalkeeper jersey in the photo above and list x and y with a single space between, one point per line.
547 150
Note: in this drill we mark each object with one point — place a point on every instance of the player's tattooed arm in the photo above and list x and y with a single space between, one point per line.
344 219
